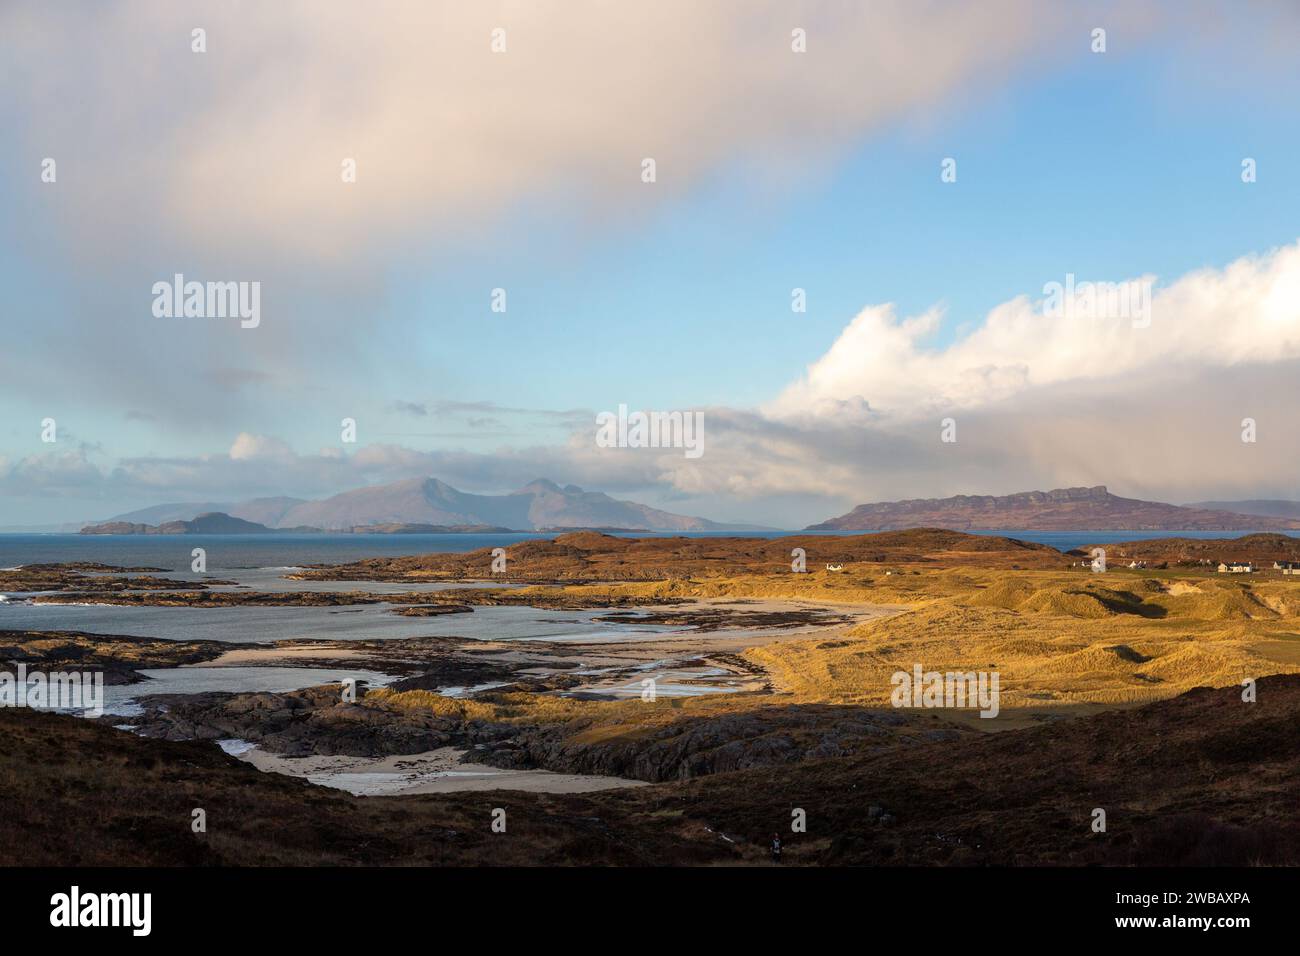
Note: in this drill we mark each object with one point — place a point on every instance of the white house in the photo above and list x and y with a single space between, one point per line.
1236 567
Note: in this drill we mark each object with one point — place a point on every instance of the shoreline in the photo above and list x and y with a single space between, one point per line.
433 771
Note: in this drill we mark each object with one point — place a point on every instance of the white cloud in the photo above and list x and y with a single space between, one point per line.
50 473
259 448
1212 318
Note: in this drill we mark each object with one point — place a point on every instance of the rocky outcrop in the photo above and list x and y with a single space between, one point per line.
698 747
56 578
319 721
312 721
118 658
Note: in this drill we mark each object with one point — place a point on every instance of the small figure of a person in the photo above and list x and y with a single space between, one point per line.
776 848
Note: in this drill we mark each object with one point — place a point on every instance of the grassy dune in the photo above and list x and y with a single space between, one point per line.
1063 642
1056 638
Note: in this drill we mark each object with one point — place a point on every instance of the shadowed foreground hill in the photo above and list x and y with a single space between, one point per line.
1201 779
591 556
1262 549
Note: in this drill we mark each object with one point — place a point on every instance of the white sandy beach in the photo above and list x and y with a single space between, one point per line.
434 771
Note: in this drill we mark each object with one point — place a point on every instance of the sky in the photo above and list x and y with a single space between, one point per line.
482 168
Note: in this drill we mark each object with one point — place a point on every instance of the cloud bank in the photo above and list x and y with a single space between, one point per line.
244 144
1037 401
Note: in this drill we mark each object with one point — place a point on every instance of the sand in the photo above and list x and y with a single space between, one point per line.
264 656
434 771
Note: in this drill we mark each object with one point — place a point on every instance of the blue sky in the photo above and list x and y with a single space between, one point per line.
1098 170
672 295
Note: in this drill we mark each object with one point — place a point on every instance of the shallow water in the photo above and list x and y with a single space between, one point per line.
120 700
244 625
669 681
258 623
253 623
275 580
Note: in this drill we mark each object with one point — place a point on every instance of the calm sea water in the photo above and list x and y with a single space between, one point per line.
251 624
243 552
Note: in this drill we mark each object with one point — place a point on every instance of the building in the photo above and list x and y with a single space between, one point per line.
1236 567
1287 567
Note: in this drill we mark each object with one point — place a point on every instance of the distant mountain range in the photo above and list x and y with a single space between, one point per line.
427 505
1270 507
399 506
1062 509
218 522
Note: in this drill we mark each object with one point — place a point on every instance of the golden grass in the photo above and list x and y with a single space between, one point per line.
865 585
1058 639
519 707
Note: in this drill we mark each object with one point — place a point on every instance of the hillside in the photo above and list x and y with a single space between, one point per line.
1271 507
1062 509
214 522
1262 549
1197 780
589 555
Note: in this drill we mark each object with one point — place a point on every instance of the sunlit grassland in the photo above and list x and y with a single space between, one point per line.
1065 641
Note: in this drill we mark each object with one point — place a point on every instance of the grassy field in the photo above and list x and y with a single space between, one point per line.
1055 638
1064 642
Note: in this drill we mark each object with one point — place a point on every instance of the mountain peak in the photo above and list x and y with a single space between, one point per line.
538 485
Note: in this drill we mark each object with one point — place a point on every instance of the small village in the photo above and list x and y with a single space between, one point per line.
1246 567
1223 567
